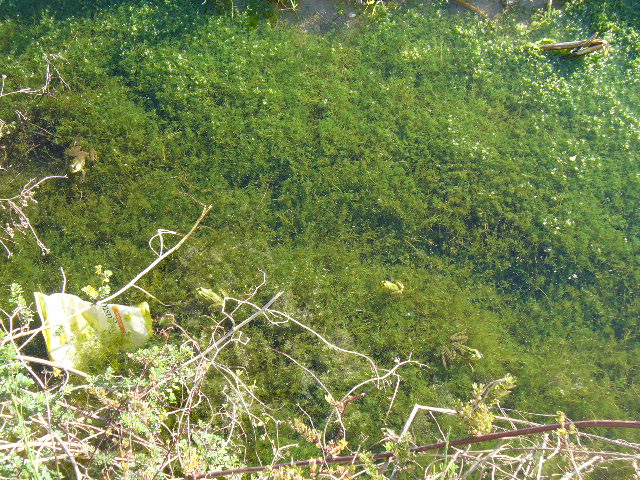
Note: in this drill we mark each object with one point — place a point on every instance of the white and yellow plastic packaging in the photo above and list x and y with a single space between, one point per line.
74 327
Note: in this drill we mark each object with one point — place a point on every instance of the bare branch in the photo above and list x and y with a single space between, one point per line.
17 221
205 210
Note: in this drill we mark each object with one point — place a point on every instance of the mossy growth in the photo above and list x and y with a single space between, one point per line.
497 184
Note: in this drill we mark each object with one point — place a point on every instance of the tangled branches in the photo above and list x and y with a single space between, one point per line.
15 220
51 72
525 458
150 414
147 413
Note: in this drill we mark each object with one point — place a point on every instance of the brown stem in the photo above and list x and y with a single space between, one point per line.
434 446
471 7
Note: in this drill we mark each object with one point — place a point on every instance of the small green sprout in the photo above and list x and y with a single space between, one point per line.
104 289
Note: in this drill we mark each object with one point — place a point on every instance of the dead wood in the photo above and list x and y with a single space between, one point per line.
580 47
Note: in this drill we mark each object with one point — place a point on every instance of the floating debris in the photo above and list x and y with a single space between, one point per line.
581 47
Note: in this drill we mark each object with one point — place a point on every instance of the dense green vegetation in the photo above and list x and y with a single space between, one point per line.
499 184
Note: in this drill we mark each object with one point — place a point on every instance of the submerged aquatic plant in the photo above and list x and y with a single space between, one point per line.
500 184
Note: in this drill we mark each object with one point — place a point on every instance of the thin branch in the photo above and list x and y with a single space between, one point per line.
64 280
153 296
15 206
230 333
151 266
71 457
42 361
449 411
582 467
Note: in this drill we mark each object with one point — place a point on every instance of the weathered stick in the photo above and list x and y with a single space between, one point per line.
152 265
580 47
571 45
42 361
586 51
574 45
582 467
472 7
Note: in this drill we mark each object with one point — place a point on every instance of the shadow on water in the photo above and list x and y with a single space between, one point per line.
170 20
318 16
27 10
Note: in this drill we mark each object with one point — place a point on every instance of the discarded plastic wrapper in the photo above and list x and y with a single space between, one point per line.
74 328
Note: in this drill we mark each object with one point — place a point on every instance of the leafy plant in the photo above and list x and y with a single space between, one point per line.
476 413
104 289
